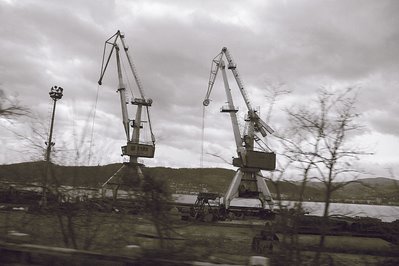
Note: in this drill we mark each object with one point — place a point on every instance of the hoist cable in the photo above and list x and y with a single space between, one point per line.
92 124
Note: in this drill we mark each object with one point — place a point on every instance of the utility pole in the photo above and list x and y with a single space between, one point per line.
55 94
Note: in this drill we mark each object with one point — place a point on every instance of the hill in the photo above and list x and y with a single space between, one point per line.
380 189
187 179
192 180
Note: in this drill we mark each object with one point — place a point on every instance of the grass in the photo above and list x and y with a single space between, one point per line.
347 243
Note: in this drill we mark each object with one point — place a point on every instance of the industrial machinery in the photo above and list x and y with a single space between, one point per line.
130 173
248 181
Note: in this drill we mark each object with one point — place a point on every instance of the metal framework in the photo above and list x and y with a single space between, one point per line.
248 181
134 148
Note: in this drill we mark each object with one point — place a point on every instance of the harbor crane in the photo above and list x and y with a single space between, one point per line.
130 173
248 181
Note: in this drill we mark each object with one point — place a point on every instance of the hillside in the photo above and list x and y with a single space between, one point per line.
381 189
192 180
213 179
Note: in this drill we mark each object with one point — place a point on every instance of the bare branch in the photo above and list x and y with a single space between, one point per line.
10 107
319 144
273 92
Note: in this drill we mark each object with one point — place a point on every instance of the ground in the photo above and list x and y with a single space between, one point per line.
120 233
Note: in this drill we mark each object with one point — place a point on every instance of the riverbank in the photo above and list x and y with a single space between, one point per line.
382 212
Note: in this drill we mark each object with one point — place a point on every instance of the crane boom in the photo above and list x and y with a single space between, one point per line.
233 67
231 109
113 46
132 67
259 124
122 94
212 77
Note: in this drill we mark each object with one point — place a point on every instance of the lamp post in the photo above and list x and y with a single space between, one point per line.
55 94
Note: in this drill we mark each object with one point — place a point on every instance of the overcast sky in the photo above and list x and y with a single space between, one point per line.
304 45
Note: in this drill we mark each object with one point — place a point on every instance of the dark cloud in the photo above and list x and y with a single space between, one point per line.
303 44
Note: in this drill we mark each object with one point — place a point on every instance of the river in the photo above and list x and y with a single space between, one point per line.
385 213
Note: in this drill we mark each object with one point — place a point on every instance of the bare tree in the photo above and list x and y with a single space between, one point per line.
274 91
293 143
323 150
154 199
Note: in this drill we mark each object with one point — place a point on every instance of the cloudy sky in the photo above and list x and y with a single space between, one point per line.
304 45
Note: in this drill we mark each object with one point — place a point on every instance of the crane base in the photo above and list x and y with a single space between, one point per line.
249 184
128 177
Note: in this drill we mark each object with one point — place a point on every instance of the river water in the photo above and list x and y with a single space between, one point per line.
385 213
